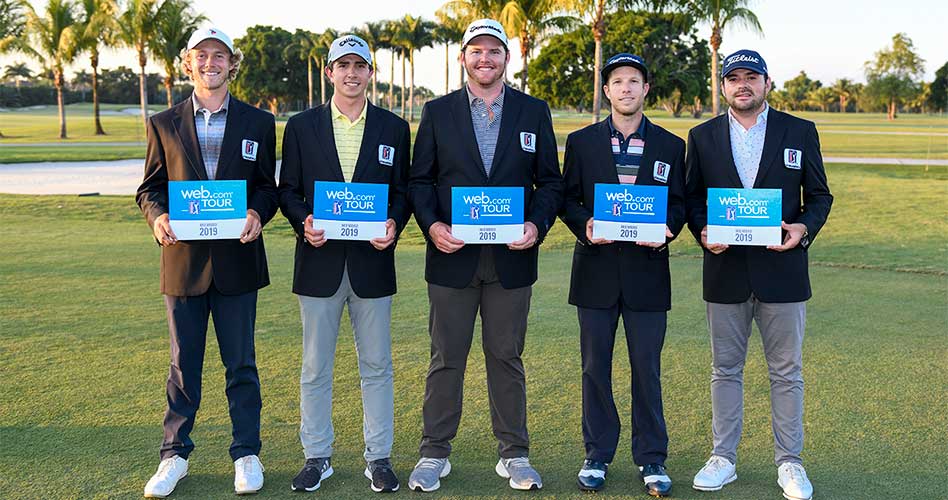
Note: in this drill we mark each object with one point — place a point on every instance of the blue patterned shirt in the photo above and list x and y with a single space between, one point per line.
486 120
747 146
210 132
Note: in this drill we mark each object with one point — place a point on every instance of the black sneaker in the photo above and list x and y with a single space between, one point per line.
657 482
312 474
592 477
382 476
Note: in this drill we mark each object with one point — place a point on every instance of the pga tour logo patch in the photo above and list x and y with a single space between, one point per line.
660 171
528 142
248 149
792 158
386 155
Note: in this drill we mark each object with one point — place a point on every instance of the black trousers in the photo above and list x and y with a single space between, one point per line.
644 335
234 317
451 327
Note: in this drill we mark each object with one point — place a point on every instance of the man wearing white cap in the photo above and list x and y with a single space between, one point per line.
346 140
211 136
485 134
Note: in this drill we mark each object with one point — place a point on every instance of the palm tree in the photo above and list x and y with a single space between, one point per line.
719 14
304 47
175 22
11 26
389 41
322 54
531 20
137 27
99 28
18 72
372 34
844 90
595 11
417 36
55 35
447 31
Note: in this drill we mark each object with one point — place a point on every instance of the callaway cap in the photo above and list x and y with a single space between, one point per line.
624 59
349 44
744 59
210 33
484 27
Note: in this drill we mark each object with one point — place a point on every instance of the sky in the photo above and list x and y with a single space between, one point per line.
829 39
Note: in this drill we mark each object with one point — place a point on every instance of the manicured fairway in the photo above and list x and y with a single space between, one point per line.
848 134
84 353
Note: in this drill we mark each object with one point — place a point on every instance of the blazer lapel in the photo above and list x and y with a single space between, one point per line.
649 155
462 118
772 141
368 151
187 134
508 120
603 161
327 142
233 134
722 138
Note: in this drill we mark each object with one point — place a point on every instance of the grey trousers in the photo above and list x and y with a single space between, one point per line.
451 326
781 330
371 322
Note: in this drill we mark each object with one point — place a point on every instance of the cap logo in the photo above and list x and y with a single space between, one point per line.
352 42
213 32
742 58
484 27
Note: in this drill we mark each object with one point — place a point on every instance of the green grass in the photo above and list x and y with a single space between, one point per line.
22 127
84 349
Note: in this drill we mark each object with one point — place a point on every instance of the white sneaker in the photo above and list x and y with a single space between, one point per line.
248 475
717 472
791 477
170 471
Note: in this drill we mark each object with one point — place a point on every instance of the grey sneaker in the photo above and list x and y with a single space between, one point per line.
428 473
521 474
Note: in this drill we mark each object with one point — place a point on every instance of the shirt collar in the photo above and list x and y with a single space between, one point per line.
499 100
336 114
761 118
640 131
197 106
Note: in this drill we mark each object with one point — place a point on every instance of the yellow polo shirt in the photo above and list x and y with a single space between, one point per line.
348 136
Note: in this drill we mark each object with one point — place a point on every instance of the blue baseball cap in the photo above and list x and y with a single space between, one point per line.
624 59
744 59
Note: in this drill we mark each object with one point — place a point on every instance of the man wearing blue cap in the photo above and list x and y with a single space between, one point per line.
346 140
211 136
754 146
612 279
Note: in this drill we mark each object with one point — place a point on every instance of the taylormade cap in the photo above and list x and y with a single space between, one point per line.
484 27
744 59
210 33
624 59
349 44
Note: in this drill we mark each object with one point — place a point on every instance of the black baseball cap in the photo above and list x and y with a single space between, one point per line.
624 59
744 59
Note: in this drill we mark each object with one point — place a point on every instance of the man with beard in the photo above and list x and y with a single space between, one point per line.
346 140
755 146
612 279
485 134
211 136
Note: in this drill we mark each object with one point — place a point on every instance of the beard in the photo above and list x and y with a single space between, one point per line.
755 102
486 80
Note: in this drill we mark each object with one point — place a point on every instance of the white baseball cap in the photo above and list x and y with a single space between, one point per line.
484 27
349 44
208 33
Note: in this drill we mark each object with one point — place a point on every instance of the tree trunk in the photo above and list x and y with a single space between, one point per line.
447 65
169 91
403 87
58 81
411 92
391 85
715 84
94 59
274 104
143 92
461 78
375 80
322 82
525 57
309 82
597 78
891 115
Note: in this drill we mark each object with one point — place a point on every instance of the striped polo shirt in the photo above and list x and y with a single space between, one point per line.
210 127
486 120
348 137
627 151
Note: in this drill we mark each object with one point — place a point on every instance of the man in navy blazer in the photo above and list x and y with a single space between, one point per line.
345 140
755 146
206 137
612 279
485 134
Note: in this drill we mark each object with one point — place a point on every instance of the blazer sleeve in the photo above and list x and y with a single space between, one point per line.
152 194
696 190
676 191
574 213
423 174
548 194
817 198
292 192
399 207
264 198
